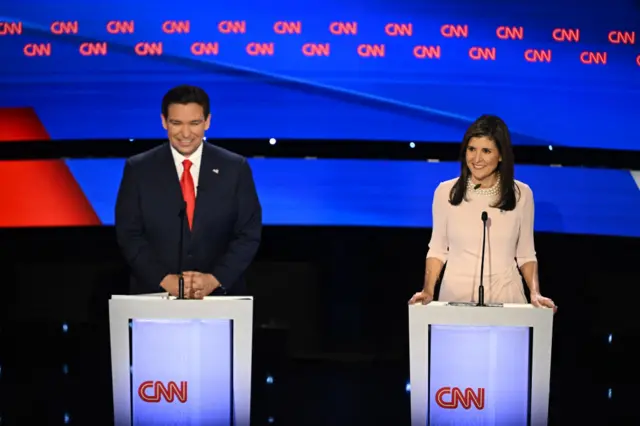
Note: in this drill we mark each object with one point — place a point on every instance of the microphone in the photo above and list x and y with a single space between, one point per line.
476 186
484 216
182 214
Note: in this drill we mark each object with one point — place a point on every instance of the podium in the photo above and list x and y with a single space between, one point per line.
181 362
479 365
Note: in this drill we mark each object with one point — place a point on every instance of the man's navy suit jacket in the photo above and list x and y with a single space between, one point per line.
227 222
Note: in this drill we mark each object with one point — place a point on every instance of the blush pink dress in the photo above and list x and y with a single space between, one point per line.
457 241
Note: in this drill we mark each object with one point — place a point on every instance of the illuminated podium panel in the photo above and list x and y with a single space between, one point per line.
479 365
181 362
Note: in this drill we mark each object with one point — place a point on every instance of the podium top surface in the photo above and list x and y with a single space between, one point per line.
472 305
508 314
165 296
161 306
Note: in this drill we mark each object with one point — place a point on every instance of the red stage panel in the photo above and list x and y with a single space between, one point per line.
38 193
21 124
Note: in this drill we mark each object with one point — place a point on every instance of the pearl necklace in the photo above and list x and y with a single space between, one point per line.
489 192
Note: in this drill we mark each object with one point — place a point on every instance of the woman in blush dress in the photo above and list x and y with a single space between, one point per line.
486 184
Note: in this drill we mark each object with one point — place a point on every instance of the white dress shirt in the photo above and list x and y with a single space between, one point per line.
196 160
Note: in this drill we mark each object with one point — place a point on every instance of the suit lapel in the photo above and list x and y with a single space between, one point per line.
206 185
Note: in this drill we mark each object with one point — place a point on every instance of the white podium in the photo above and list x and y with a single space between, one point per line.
479 365
181 362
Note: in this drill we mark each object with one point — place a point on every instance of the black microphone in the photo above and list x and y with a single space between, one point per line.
485 216
477 186
183 213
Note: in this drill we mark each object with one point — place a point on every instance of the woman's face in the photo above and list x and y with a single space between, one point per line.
482 158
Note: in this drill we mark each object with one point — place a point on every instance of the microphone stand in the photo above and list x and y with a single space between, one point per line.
485 216
484 236
183 211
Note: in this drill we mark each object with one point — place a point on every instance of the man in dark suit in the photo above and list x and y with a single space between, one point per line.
214 191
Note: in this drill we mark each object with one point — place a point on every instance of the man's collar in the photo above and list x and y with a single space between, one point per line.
194 158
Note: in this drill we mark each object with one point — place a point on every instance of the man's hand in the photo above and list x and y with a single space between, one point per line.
170 285
201 285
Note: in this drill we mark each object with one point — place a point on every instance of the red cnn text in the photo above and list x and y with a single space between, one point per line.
452 397
154 391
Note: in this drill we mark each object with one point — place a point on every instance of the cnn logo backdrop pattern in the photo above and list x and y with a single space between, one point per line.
405 71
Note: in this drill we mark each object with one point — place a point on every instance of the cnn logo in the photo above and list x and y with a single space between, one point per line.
154 391
451 398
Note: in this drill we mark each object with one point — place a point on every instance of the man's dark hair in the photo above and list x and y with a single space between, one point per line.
493 128
183 95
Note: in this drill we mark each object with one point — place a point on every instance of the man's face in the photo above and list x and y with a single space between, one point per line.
185 126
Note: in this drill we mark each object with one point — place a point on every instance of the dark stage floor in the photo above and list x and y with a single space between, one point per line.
50 375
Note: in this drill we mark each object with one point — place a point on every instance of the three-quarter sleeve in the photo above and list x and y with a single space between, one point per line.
439 244
525 250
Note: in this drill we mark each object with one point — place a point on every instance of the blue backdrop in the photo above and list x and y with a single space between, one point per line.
360 78
400 193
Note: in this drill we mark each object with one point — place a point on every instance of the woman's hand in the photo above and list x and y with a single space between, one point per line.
421 297
539 301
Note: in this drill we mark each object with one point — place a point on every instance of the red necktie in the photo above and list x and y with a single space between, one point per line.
188 190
